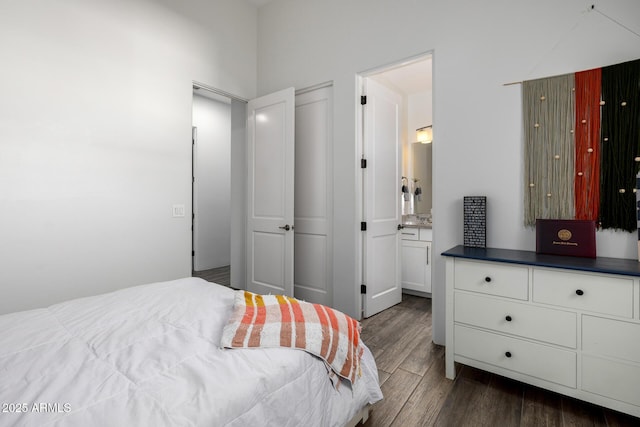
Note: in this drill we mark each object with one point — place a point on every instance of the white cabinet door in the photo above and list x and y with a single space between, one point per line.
270 127
427 272
416 265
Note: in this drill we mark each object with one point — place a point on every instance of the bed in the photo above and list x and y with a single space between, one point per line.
150 356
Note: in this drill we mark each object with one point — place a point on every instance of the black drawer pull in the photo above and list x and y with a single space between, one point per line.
579 292
508 318
487 279
508 354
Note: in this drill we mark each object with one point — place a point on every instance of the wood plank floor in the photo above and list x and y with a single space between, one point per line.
412 378
219 275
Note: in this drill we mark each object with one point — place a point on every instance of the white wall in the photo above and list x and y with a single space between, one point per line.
212 187
420 112
477 46
95 130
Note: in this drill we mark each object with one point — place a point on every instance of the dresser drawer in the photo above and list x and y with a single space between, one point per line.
589 292
616 380
538 323
611 338
536 360
492 278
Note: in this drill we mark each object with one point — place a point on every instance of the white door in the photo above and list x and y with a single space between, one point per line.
270 126
382 209
313 272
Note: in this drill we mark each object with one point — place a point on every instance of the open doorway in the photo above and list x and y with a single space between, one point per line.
414 82
211 186
410 82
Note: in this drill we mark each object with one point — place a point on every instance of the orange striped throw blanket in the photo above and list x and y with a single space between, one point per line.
280 321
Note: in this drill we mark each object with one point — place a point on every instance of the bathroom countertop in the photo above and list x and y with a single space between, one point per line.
417 225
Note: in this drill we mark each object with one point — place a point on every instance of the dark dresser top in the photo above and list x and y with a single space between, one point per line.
627 267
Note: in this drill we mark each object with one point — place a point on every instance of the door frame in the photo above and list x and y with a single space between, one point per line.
194 190
360 238
238 173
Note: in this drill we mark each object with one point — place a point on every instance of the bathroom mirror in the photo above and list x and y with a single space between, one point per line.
421 177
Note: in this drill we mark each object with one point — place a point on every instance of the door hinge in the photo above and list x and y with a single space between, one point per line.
363 99
193 253
363 226
363 289
363 163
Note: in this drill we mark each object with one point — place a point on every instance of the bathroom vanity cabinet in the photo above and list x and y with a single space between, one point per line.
567 324
416 259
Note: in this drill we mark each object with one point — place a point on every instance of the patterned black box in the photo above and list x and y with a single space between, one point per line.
475 221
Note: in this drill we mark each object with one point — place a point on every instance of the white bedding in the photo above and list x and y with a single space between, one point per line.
149 356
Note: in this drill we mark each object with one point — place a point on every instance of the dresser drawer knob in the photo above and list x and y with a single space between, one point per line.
579 292
487 279
508 354
508 318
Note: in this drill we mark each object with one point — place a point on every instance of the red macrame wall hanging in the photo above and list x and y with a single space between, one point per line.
587 135
605 137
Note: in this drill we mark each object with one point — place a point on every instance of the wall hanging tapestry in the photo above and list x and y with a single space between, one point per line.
582 146
638 210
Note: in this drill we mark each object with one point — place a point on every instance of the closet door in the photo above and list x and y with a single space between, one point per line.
313 272
270 127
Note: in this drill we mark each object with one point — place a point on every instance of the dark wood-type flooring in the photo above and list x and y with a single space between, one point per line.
219 275
412 378
417 393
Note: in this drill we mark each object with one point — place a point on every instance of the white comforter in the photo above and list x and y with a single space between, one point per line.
149 356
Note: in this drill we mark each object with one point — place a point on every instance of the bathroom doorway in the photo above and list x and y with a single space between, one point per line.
411 81
414 82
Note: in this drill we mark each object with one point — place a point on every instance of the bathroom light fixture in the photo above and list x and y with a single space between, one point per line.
425 134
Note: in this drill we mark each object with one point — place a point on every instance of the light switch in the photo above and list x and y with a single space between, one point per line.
178 211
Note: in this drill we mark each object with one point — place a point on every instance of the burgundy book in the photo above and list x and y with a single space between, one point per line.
572 237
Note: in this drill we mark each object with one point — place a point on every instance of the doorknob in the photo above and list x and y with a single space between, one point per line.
285 227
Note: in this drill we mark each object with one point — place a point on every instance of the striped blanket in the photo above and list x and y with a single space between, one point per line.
281 321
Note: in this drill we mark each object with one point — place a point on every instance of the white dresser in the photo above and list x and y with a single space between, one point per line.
567 324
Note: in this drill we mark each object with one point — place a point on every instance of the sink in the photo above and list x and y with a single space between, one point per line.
416 220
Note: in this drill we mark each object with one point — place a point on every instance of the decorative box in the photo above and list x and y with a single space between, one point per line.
572 237
475 221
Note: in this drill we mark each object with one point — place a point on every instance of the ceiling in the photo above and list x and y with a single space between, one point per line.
411 78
